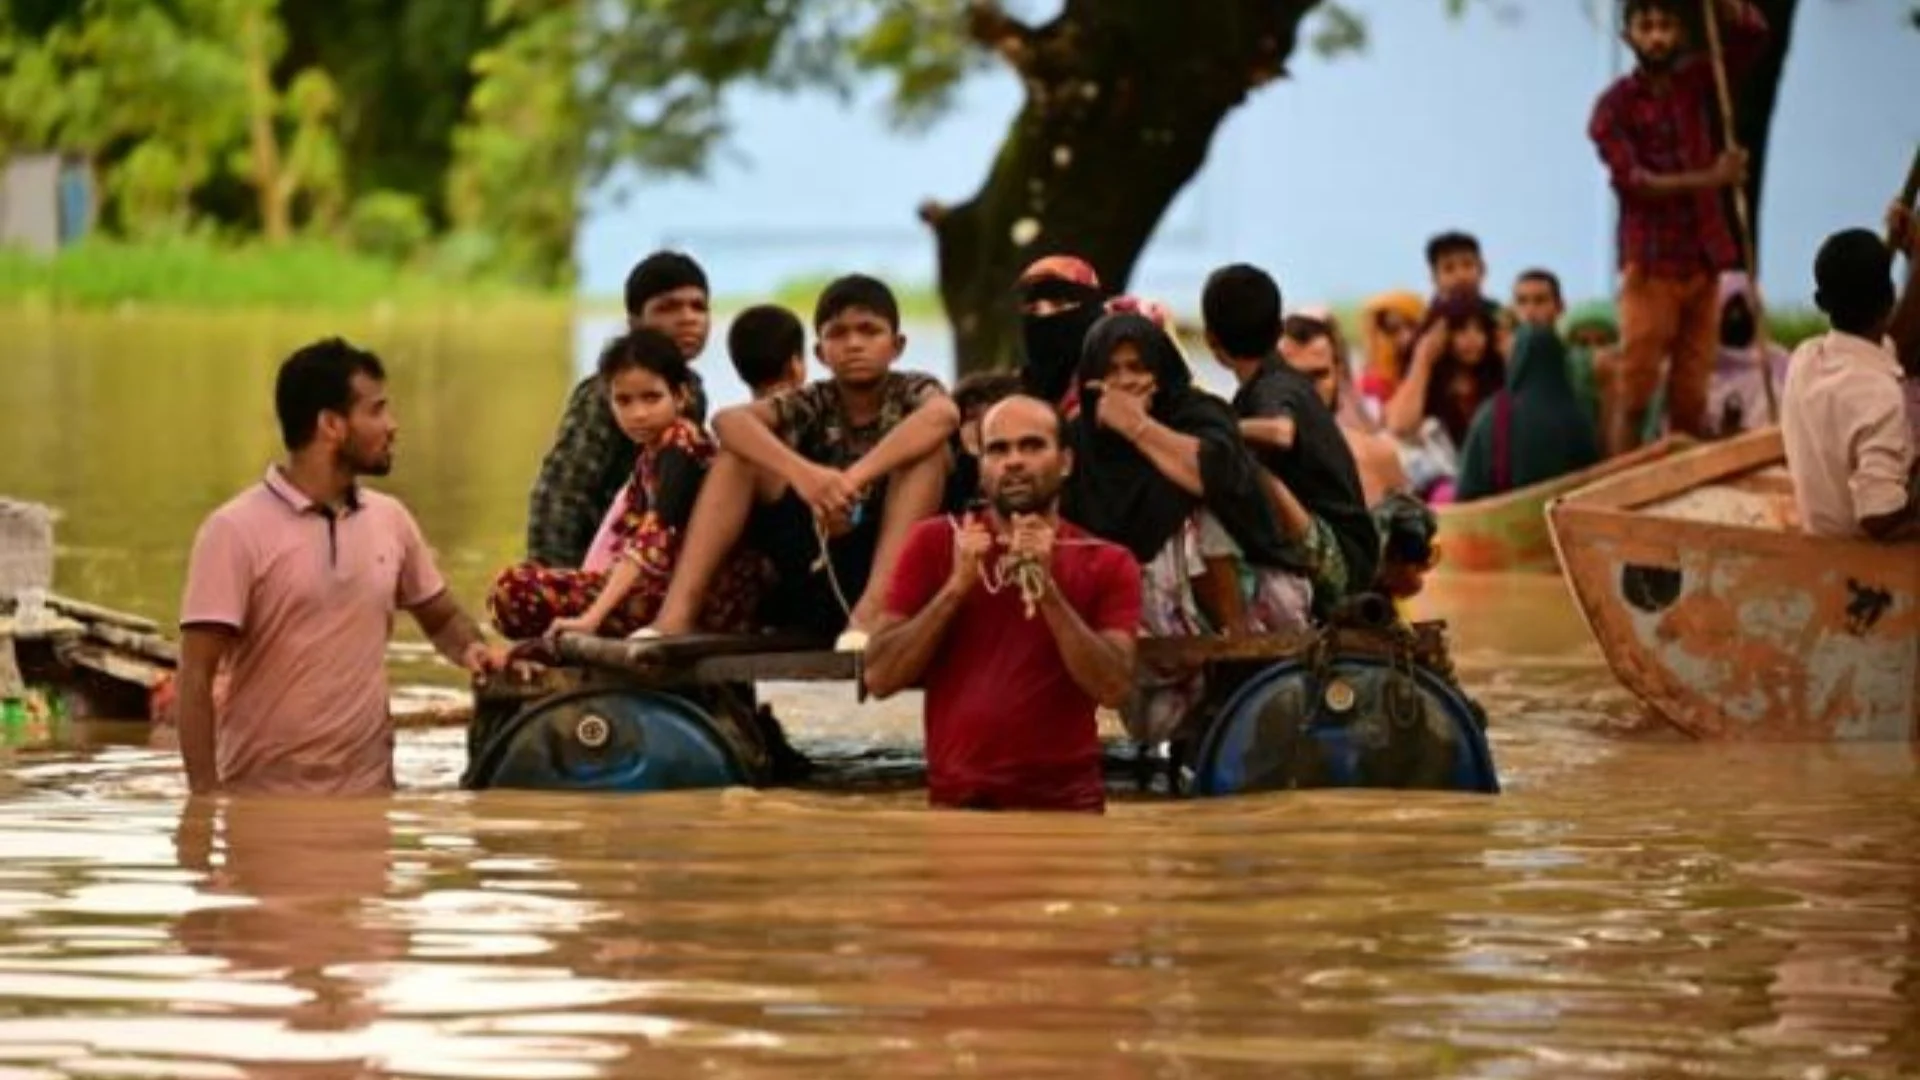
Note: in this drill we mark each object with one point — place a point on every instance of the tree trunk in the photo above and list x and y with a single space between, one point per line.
263 141
1122 101
1754 101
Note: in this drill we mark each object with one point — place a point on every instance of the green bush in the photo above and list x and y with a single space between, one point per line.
388 224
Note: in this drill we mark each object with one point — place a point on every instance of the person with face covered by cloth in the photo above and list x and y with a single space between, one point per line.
1161 469
1060 300
1748 359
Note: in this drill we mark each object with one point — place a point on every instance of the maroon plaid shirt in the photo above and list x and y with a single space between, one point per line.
1644 129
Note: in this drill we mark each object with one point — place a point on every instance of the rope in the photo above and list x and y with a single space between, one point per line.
1019 571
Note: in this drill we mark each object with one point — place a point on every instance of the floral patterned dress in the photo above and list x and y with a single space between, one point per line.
653 510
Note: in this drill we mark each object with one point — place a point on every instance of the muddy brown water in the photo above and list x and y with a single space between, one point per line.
1633 906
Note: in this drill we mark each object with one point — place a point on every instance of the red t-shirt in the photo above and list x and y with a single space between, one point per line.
1007 727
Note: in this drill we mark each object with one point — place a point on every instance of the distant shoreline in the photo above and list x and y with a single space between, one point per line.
193 275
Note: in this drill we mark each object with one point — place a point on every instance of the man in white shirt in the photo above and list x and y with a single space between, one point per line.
1849 444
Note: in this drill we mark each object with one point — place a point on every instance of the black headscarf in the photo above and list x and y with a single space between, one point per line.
1118 495
1053 342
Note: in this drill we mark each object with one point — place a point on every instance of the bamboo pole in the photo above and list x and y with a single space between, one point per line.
1742 210
1911 189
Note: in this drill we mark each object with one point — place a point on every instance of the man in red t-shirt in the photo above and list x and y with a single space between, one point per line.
1011 687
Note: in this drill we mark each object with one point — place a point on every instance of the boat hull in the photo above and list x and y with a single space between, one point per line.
1509 534
1716 611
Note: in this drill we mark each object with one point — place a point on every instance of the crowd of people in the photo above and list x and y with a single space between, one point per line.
1003 544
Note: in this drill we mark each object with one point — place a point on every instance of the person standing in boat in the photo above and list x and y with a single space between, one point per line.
1017 624
1653 131
590 459
1850 446
291 591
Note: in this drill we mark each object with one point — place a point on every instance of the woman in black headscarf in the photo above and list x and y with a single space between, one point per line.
1160 469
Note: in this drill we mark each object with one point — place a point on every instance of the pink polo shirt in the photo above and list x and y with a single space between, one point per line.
311 596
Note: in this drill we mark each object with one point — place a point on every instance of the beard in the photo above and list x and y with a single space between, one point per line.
1034 497
1656 63
367 462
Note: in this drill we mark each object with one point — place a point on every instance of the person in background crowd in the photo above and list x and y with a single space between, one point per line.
1390 321
1534 429
1310 343
1456 368
1738 400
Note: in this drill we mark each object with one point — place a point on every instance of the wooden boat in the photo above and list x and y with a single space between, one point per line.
1508 532
1717 611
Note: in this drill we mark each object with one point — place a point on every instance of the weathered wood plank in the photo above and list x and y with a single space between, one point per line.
94 613
717 659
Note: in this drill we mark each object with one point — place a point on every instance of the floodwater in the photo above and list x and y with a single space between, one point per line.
1634 906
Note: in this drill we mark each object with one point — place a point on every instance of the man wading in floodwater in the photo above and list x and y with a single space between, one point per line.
1017 624
292 588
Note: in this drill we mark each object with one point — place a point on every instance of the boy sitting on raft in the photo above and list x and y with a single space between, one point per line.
768 347
853 460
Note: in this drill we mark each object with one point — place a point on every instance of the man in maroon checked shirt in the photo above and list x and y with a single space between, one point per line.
1011 689
1653 129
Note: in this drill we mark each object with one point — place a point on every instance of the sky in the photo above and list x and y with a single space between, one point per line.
1332 179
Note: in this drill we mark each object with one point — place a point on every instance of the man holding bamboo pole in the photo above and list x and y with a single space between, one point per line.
1654 132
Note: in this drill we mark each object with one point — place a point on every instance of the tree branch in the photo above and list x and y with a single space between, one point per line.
989 25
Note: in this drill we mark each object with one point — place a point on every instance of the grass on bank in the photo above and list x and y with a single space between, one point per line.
201 274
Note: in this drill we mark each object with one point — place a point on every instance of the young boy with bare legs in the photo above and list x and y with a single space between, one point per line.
860 457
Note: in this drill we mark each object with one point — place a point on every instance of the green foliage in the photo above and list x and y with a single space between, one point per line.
197 273
388 224
655 72
517 156
151 187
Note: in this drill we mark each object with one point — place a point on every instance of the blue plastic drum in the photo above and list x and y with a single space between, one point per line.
609 740
1359 724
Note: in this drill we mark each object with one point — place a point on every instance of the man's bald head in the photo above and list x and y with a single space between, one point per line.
1023 456
1023 410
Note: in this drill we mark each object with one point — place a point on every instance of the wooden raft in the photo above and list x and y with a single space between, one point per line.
715 659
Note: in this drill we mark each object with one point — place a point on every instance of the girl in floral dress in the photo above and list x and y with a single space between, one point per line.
625 578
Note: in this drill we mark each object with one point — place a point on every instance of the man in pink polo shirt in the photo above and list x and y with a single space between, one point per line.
291 592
